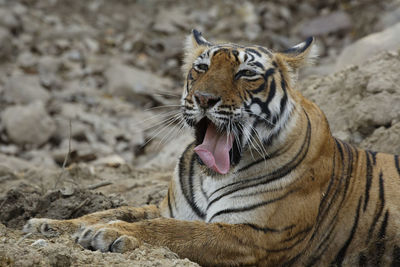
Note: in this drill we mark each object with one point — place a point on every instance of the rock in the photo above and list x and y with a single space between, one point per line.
40 243
368 46
333 22
24 89
13 164
27 62
6 47
28 124
389 18
133 84
48 69
171 20
39 158
9 20
384 139
111 161
361 102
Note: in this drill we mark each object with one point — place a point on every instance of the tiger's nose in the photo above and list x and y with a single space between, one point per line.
206 100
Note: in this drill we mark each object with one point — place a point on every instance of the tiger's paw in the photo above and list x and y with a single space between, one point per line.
50 227
105 238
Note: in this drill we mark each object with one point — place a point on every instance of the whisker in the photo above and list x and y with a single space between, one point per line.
262 118
167 135
160 129
163 106
156 116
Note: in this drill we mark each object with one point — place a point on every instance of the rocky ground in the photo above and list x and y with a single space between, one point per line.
89 93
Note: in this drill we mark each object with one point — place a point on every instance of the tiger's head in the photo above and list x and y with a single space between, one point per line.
238 98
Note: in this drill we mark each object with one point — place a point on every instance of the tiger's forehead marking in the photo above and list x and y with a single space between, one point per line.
254 56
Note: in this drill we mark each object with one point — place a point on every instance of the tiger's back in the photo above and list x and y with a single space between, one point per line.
264 183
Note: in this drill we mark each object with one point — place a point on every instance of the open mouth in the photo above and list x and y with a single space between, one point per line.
217 149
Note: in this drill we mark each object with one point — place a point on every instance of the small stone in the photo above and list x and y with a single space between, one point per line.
9 20
27 62
40 243
6 47
48 69
67 191
28 124
111 161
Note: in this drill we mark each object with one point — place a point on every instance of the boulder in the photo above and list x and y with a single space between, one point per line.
369 46
361 102
333 22
133 84
24 89
28 124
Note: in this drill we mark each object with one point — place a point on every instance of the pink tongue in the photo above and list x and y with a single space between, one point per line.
214 151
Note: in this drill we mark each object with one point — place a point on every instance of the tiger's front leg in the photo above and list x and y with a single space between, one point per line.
209 244
51 227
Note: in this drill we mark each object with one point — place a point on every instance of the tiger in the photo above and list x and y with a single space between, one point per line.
264 183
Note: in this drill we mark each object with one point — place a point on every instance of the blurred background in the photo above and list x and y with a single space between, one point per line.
102 64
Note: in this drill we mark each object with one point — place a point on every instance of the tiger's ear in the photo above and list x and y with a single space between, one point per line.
195 40
300 54
195 44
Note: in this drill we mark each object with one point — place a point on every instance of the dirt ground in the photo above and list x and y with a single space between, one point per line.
89 91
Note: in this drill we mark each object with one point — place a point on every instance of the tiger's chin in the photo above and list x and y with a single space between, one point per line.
218 151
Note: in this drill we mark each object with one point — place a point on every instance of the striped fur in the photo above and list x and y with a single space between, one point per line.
294 196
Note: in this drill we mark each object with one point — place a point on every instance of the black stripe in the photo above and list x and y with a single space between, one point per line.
268 229
253 51
299 233
316 257
380 244
368 182
202 189
268 73
265 51
345 176
223 112
251 207
273 176
286 248
271 94
258 64
396 257
186 181
285 97
259 89
331 180
373 154
362 259
396 163
350 158
339 186
236 55
342 252
381 206
171 214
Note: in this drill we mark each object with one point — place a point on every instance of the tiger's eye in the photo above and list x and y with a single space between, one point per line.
249 73
202 67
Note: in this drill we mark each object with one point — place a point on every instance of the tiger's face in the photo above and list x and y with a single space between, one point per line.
236 98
